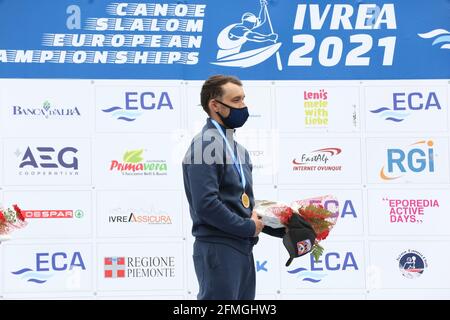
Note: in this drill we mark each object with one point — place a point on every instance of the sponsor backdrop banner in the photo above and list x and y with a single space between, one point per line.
99 101
192 39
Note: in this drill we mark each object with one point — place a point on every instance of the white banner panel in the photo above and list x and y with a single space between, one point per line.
303 108
324 295
399 108
47 161
319 160
46 108
407 160
409 211
260 148
53 213
39 268
145 106
410 264
257 99
346 203
137 161
140 213
140 266
267 264
340 266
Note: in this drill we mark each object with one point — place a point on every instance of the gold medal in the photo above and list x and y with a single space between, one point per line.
245 200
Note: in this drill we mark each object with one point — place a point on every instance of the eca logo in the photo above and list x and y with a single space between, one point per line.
418 159
137 102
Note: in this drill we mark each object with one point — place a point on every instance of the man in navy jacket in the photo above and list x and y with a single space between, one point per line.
218 182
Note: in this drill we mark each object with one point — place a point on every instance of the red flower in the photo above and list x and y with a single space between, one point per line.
19 212
2 217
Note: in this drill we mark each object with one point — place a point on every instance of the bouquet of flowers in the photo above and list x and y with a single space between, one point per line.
278 215
11 219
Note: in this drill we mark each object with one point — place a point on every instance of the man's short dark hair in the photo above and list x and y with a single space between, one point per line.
212 88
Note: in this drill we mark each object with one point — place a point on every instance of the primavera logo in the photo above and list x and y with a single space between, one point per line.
248 42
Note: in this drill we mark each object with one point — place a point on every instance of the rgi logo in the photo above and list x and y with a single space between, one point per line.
416 160
48 157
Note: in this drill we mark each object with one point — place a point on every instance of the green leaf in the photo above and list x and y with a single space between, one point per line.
317 251
133 156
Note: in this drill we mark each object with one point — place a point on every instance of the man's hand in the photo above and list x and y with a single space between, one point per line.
258 222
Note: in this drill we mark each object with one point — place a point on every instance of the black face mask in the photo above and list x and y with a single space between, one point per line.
236 118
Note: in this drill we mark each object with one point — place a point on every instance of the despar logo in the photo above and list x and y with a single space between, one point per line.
53 214
417 159
412 264
248 42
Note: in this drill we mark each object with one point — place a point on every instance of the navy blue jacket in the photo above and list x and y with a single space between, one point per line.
214 189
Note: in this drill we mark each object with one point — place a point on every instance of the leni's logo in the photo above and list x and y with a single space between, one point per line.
412 264
248 42
405 103
416 159
136 103
316 108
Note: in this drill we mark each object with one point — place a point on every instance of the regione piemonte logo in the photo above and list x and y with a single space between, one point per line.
114 267
248 42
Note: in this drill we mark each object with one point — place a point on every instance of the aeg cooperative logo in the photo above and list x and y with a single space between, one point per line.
419 158
42 160
248 42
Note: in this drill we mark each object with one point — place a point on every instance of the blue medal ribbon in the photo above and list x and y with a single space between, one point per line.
237 162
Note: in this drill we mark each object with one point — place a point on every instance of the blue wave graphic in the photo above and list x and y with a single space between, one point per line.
21 271
37 281
388 114
126 119
112 109
32 276
441 39
380 110
120 114
394 119
440 35
308 276
311 280
40 275
296 270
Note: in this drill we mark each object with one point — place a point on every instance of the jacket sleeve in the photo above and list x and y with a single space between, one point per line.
204 188
278 232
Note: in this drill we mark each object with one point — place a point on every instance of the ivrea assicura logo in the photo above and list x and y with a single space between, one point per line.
248 42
